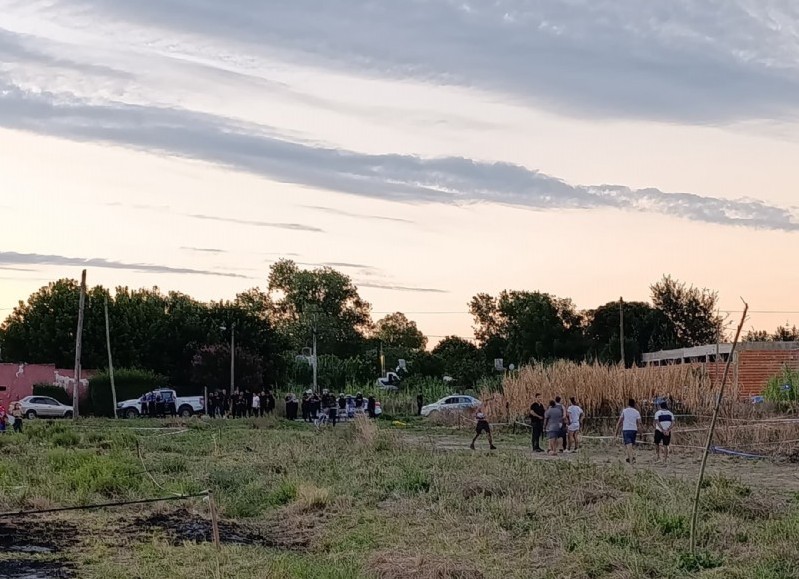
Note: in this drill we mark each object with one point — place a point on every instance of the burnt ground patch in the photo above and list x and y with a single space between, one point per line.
293 533
22 540
35 537
22 569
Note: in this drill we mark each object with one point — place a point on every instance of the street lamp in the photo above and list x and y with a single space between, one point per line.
232 354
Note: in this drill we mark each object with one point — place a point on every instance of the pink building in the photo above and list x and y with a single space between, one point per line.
17 380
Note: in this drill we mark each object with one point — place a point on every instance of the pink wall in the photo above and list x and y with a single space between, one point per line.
17 380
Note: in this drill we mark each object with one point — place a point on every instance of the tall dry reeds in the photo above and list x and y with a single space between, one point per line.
604 390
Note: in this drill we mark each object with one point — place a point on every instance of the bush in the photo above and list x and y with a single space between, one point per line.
782 388
52 391
130 383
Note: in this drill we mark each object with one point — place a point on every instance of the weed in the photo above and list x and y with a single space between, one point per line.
699 561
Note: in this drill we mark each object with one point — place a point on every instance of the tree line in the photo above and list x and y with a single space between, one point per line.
187 341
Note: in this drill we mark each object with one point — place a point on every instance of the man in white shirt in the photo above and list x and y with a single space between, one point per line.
629 424
575 414
664 422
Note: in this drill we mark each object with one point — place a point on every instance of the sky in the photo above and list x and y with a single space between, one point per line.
430 149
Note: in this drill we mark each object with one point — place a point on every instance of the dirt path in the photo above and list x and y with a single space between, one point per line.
766 475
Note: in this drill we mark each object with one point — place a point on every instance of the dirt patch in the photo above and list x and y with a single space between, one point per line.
392 565
35 570
36 537
294 533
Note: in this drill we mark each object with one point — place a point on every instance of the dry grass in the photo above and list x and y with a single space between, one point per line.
393 565
602 389
366 430
311 498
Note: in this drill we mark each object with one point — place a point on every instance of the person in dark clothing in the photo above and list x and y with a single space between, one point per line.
358 401
371 404
316 406
151 405
564 433
264 402
537 411
419 403
483 426
271 402
211 405
291 407
171 405
342 402
145 406
248 396
330 407
305 407
159 405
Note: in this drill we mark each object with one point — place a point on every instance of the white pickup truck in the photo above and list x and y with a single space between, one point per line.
185 405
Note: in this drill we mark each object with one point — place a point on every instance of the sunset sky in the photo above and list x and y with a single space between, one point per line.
431 149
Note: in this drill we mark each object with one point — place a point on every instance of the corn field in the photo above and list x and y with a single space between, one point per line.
604 390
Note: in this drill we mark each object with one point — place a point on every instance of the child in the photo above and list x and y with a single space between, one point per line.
483 426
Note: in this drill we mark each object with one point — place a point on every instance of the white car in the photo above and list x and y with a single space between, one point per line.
185 406
44 407
458 402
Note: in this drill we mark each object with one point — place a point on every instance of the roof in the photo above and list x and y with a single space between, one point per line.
712 349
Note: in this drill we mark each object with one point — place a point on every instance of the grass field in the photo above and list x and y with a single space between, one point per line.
377 501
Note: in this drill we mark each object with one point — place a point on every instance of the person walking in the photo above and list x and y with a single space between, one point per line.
575 415
664 422
537 411
553 424
483 426
629 424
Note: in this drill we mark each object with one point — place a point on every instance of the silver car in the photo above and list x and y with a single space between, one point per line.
44 407
451 403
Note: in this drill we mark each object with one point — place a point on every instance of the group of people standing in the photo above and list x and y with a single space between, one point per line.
14 416
313 405
240 404
561 424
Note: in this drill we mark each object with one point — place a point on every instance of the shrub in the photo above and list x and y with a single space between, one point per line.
52 391
130 383
782 387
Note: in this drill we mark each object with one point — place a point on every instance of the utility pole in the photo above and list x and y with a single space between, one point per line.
110 360
313 355
78 346
232 357
621 332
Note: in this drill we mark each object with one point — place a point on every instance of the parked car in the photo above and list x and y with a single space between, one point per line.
457 402
44 407
185 405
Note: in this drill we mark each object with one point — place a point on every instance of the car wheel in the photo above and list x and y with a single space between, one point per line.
68 414
185 411
30 414
131 413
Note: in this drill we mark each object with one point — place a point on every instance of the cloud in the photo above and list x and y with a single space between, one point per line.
12 258
400 288
366 216
257 149
203 250
694 61
254 223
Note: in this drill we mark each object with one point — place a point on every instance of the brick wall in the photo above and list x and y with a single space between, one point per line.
756 367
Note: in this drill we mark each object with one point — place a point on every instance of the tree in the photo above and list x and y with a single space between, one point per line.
323 298
757 336
527 326
691 312
211 368
786 334
397 331
461 360
646 329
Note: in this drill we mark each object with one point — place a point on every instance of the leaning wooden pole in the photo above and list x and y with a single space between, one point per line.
713 420
78 346
110 359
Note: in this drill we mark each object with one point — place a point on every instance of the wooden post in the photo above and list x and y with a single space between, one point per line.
110 359
621 332
214 521
713 420
78 346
